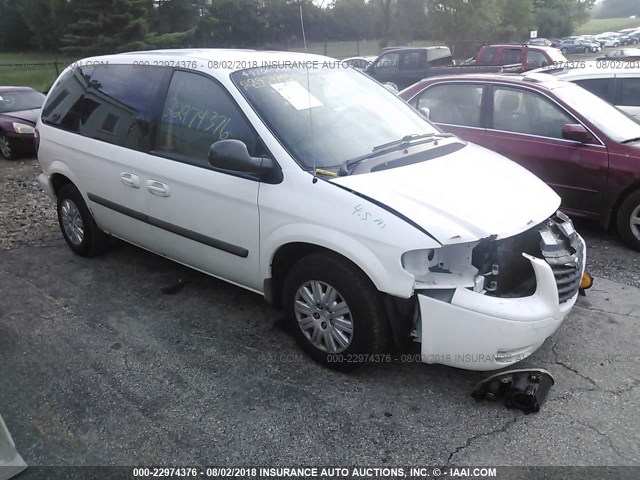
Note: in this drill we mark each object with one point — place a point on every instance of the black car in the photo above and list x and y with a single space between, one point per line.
19 111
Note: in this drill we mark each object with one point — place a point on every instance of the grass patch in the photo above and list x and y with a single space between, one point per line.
23 69
600 25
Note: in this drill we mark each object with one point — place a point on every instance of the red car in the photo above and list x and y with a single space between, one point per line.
530 56
19 111
585 149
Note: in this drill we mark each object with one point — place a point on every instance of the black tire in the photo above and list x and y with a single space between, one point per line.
6 149
564 50
94 240
587 50
370 328
630 206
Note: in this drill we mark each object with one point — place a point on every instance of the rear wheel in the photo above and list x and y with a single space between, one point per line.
629 220
6 150
334 311
77 224
564 50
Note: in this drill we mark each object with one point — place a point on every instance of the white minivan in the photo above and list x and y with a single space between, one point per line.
616 81
305 181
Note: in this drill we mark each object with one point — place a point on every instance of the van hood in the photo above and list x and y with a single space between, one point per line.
461 197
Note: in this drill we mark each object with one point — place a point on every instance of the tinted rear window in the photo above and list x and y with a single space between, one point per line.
597 86
114 104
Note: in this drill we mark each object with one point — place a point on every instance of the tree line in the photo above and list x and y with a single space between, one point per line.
87 27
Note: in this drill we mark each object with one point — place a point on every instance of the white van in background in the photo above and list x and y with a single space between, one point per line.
616 81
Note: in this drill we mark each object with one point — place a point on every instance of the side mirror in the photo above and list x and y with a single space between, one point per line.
576 132
392 87
426 111
232 156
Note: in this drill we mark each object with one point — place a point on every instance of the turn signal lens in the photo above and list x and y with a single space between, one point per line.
586 282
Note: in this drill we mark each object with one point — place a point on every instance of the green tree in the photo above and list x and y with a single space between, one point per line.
350 19
173 16
464 24
106 26
232 23
516 20
557 18
409 21
14 34
46 20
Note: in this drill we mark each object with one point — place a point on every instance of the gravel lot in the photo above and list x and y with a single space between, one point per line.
28 217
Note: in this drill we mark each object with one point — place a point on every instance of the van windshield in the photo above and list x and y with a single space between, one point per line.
328 114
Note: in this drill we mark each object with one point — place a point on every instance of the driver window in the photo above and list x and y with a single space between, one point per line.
198 112
458 104
388 63
537 59
519 111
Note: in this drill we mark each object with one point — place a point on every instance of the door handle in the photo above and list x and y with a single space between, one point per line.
158 188
130 180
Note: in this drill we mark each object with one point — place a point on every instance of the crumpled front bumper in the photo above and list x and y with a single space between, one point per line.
481 332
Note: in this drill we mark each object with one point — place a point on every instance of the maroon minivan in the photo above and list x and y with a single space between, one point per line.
585 149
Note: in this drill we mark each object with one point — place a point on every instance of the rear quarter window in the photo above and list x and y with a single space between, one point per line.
114 104
597 86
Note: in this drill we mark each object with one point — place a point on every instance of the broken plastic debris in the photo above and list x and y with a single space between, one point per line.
525 389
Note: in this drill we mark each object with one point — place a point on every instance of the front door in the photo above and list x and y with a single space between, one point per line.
203 218
526 127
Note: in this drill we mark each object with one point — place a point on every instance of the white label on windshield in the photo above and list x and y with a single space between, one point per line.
1 99
298 96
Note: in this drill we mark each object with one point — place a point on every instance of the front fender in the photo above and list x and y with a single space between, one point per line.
384 268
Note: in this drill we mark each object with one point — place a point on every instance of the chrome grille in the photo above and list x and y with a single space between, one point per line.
568 276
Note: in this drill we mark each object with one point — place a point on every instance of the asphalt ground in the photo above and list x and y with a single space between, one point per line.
131 359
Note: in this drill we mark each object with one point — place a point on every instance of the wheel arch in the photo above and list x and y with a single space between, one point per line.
628 190
58 180
286 256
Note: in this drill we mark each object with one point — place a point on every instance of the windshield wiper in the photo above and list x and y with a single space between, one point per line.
404 142
631 140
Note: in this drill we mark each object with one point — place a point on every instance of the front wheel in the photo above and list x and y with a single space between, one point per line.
78 227
587 50
334 311
629 220
564 50
6 149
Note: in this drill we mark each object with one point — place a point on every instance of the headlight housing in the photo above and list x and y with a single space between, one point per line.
23 128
